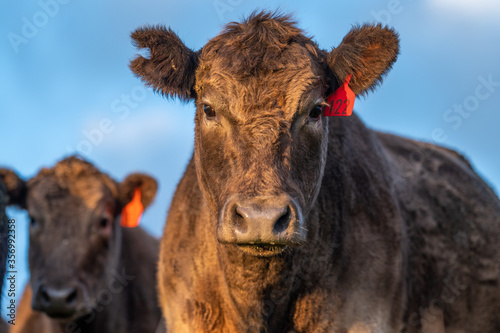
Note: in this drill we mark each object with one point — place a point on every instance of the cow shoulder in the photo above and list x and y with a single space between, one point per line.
452 219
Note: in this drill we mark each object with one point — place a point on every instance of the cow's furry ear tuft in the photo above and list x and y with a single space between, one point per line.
171 66
145 183
367 53
14 186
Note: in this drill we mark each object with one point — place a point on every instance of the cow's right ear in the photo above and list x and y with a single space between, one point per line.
15 186
171 66
146 184
136 193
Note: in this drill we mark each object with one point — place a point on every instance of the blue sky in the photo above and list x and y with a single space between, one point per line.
69 74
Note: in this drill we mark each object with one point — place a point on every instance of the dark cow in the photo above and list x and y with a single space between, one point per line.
289 221
88 274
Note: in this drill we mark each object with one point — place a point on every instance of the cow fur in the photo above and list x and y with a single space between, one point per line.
70 243
401 235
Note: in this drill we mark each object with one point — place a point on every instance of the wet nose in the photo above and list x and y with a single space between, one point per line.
261 220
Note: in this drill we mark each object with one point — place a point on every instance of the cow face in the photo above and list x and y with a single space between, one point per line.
74 234
260 143
261 138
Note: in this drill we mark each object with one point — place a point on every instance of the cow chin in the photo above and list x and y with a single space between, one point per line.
84 312
262 250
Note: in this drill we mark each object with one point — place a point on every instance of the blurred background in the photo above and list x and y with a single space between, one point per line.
64 70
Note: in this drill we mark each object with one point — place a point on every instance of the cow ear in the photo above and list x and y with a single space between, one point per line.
15 187
367 53
146 184
171 66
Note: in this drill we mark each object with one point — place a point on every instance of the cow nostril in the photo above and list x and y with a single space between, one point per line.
283 221
71 298
239 222
44 296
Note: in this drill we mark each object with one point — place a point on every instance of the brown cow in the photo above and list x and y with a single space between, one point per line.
88 274
289 221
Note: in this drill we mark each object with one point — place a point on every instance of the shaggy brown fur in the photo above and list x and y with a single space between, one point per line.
76 241
392 233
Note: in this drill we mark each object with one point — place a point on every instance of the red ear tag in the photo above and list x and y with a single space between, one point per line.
132 212
341 102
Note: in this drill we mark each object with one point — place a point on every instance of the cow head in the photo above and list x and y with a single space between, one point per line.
261 138
74 232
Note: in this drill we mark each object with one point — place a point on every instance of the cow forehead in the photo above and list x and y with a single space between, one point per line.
73 182
259 65
51 193
260 44
233 64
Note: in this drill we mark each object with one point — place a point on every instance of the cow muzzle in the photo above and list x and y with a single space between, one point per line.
261 226
57 302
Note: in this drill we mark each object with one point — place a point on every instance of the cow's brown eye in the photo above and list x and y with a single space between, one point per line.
209 111
316 112
33 222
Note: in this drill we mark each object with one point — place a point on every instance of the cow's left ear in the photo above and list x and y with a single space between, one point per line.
146 184
15 186
367 53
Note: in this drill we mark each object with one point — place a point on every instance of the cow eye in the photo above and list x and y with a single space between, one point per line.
209 111
33 222
104 222
316 112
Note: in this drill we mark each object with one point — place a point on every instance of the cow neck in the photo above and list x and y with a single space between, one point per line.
256 290
264 292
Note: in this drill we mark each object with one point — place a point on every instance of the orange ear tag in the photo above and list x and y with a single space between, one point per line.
132 212
341 102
